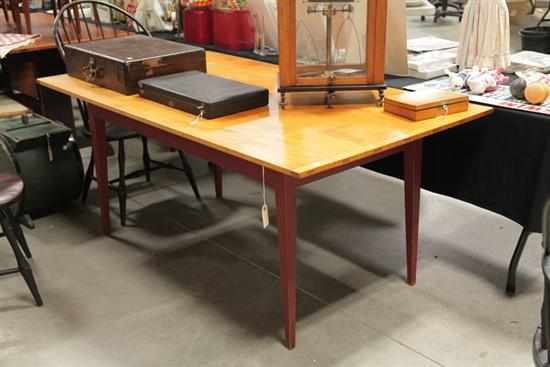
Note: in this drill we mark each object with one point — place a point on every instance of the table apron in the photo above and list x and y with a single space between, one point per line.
356 162
234 163
215 156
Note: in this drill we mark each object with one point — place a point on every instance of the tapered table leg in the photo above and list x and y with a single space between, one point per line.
285 193
99 146
413 175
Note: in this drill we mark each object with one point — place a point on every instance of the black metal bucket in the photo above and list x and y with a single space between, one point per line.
535 39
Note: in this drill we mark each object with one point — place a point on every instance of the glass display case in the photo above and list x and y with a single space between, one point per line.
331 46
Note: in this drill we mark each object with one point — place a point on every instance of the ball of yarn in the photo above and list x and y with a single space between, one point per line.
536 92
517 88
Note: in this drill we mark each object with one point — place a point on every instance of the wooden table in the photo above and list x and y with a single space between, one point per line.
22 66
291 147
42 24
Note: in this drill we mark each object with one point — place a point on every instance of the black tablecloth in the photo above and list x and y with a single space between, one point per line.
500 162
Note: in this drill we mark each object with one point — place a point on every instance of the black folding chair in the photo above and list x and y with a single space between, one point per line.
444 11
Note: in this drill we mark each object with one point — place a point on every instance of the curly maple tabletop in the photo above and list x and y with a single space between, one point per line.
299 141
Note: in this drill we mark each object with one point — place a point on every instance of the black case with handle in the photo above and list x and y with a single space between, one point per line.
195 91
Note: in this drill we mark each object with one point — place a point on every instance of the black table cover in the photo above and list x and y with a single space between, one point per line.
500 162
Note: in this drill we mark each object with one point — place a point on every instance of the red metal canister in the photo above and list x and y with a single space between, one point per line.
233 30
197 26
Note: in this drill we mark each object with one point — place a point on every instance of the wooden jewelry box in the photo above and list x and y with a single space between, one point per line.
425 104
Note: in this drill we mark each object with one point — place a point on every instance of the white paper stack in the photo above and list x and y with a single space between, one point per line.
529 59
428 57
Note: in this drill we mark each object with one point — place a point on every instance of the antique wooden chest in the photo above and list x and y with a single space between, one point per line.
120 63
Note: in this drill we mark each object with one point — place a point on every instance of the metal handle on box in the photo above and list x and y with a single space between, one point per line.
91 71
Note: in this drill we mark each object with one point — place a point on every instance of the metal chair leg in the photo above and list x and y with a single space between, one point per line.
511 283
533 8
190 175
122 182
22 264
146 159
19 234
88 180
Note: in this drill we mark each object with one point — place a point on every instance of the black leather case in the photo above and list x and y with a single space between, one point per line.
193 91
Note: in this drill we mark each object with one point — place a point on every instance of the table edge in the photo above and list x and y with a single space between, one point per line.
299 173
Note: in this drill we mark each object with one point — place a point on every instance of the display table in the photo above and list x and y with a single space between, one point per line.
23 65
286 148
500 162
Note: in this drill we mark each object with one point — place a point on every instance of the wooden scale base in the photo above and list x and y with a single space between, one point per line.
330 91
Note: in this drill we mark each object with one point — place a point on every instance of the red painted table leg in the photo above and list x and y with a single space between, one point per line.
413 175
285 193
218 181
99 146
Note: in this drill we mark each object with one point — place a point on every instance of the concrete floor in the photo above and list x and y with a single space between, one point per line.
196 284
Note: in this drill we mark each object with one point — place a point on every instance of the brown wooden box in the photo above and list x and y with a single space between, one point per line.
120 63
425 104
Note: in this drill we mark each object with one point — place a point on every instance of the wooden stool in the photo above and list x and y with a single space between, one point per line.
11 191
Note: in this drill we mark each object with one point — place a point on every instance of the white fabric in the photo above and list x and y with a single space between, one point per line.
11 41
484 35
150 13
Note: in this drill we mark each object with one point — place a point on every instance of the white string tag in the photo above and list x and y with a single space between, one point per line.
265 209
446 109
50 152
198 119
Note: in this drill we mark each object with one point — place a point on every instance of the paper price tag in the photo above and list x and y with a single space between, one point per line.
50 152
265 210
265 215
